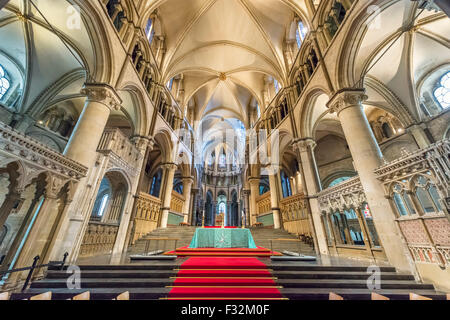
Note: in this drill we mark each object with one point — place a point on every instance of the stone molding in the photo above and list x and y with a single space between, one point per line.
346 98
102 93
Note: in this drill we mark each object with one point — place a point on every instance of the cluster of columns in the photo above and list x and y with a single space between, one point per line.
367 156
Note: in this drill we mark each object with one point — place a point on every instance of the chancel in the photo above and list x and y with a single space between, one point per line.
224 149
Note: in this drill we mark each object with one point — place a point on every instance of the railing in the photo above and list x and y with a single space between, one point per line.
308 240
148 242
147 210
16 146
176 202
344 195
35 266
263 203
99 238
295 214
113 140
418 185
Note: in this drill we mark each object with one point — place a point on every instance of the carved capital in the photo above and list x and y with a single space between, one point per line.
53 186
304 145
169 166
102 93
187 180
253 181
143 143
346 98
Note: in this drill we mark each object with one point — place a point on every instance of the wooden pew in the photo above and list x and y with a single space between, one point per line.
376 296
334 296
413 296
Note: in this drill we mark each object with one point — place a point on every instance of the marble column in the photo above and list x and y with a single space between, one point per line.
101 100
187 185
46 215
254 192
193 211
82 147
245 219
12 199
170 169
311 186
366 154
275 199
419 135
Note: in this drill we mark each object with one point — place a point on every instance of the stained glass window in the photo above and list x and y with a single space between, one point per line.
442 92
276 85
300 33
150 31
222 160
337 181
222 208
4 82
103 205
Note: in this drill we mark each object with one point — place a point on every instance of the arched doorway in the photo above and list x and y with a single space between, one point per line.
209 215
106 215
234 210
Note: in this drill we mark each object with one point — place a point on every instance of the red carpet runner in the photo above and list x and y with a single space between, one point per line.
213 278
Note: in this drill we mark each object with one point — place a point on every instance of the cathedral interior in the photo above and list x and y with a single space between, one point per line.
321 126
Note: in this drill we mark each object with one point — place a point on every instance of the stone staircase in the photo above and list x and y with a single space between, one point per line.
183 234
261 236
299 281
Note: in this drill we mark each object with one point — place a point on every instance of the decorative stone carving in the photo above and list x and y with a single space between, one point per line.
102 93
345 98
35 156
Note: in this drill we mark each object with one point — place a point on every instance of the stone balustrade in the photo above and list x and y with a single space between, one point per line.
15 146
147 212
418 186
98 239
295 214
113 140
263 203
346 194
176 202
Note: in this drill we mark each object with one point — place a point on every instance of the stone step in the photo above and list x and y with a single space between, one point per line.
338 275
110 283
348 284
126 267
97 293
287 266
355 294
115 274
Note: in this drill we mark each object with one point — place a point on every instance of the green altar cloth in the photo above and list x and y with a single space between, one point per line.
222 238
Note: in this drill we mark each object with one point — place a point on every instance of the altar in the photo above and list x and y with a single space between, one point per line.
222 238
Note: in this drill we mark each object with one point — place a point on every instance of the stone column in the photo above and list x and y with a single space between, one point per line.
101 100
366 154
170 169
311 186
82 147
194 199
12 200
187 185
254 192
37 240
246 194
419 135
275 199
